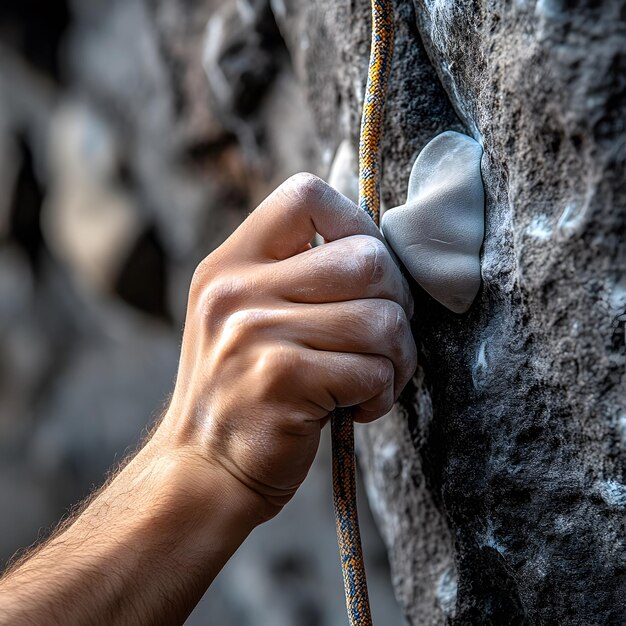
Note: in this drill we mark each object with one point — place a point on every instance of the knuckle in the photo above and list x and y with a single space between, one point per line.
380 371
202 276
371 259
219 299
397 334
237 335
384 373
393 321
274 366
305 188
243 327
241 322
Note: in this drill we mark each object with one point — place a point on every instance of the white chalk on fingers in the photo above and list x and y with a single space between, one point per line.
438 233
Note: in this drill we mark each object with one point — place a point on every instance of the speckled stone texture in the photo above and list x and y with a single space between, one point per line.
499 486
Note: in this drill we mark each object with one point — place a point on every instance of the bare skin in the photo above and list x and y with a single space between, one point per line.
277 335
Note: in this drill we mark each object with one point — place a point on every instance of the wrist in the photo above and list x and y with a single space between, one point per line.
150 543
201 492
203 467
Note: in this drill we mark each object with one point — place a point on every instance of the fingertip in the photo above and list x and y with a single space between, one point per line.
324 421
407 297
376 407
365 416
301 207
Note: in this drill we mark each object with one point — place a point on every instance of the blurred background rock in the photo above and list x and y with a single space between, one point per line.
134 137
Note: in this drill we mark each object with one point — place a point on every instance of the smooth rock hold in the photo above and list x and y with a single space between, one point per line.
438 233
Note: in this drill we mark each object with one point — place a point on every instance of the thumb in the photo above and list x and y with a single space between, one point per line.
302 206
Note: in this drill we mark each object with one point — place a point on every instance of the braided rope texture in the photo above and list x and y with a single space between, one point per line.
342 424
347 520
374 107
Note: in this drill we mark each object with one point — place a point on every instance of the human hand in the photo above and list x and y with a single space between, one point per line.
278 334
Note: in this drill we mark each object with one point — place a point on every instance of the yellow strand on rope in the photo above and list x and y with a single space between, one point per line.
342 425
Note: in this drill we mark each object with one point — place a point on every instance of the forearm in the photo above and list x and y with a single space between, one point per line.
144 551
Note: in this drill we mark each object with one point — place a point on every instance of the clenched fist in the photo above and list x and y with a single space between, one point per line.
278 334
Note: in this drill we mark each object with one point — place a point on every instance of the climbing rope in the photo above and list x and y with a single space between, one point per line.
342 424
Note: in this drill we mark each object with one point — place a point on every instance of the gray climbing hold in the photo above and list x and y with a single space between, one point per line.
438 233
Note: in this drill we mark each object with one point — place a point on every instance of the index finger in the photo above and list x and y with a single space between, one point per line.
290 217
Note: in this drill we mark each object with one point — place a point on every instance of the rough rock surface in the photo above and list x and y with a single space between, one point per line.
500 486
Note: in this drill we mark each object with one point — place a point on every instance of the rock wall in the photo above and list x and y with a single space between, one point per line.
136 134
499 485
